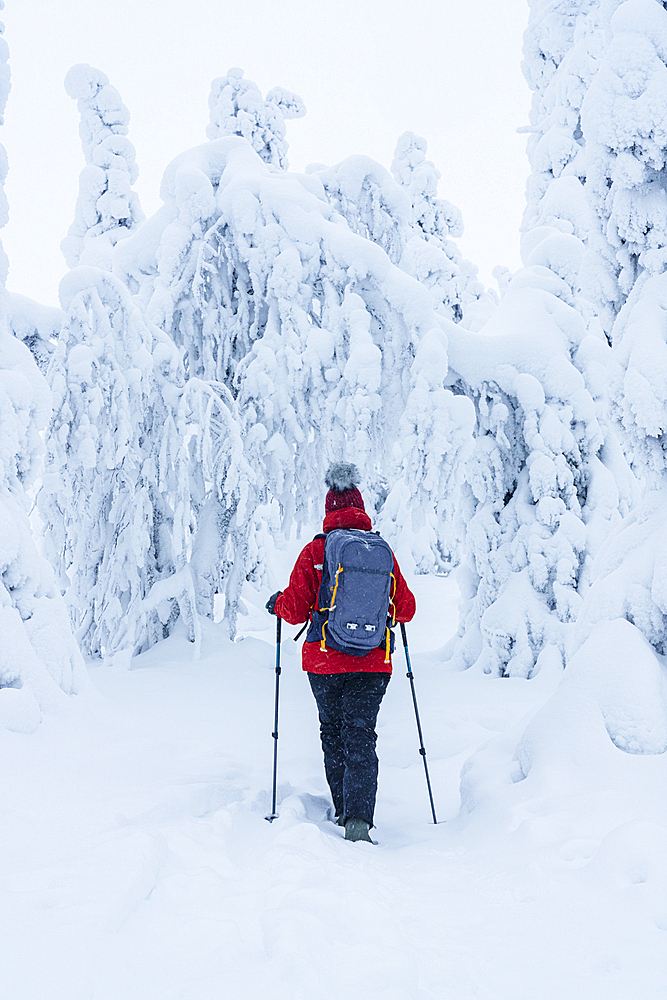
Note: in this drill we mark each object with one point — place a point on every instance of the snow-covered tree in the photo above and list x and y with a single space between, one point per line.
39 660
431 255
624 119
36 325
525 501
238 108
107 208
562 46
370 201
546 482
134 454
419 177
403 215
103 502
428 504
265 287
533 480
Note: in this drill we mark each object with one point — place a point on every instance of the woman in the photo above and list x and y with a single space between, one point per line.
348 688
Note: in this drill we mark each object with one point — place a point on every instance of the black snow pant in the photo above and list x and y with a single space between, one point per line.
348 706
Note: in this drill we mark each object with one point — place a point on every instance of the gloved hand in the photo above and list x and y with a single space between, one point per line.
271 603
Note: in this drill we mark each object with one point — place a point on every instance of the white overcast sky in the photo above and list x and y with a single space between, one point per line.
367 71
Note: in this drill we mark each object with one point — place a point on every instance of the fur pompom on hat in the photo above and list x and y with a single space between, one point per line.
342 478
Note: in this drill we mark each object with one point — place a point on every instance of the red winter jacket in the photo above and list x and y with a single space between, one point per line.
300 598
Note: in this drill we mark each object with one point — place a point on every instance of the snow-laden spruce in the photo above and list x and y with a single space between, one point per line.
562 48
629 579
128 444
283 288
430 254
538 494
546 481
427 506
403 215
104 532
36 325
266 289
624 118
107 208
238 108
39 660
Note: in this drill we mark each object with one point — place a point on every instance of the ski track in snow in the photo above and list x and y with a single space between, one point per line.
136 862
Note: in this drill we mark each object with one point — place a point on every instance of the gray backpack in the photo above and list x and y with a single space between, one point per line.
356 594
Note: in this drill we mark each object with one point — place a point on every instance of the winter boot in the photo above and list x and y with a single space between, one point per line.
357 829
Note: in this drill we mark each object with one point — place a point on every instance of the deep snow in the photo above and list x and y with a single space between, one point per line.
136 862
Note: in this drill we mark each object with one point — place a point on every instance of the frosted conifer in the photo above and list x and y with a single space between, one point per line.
307 323
562 46
107 208
404 216
36 325
238 108
39 660
624 120
542 492
434 258
115 499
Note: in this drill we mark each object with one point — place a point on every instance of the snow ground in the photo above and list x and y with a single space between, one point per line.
136 864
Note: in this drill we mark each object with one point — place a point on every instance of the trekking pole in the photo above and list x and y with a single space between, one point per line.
422 749
274 814
302 630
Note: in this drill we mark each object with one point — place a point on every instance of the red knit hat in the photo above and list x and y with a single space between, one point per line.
342 479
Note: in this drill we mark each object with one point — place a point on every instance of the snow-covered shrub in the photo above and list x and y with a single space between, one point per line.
238 108
107 208
611 698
